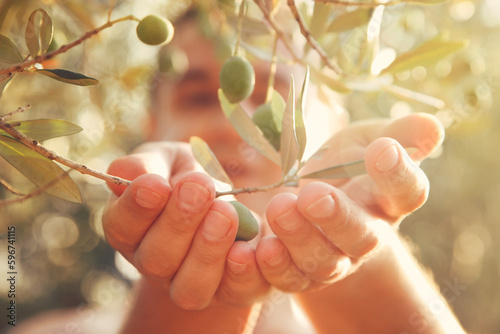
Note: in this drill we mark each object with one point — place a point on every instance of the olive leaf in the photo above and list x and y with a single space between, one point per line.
346 170
9 53
299 126
246 128
330 82
69 77
204 155
407 94
39 32
4 82
289 146
427 53
350 20
277 108
320 16
39 169
43 129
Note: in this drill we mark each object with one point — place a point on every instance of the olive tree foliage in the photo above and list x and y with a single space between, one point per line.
340 43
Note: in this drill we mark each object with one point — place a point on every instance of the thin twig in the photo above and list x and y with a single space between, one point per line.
17 111
37 147
286 181
241 15
10 188
36 192
20 67
310 39
362 4
278 31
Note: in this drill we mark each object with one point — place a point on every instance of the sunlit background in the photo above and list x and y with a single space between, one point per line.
63 259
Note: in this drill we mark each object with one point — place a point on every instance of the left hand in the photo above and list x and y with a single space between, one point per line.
324 233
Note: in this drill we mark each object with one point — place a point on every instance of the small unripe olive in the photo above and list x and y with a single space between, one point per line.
237 78
155 30
248 227
263 118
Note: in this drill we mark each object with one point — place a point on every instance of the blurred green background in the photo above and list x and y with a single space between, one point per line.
63 259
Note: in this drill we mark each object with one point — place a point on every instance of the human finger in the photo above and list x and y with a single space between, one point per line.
168 240
308 246
242 282
277 266
345 224
421 131
399 186
127 218
198 278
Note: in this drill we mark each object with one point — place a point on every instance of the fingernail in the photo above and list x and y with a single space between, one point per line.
215 226
235 267
147 198
322 208
275 260
388 159
289 220
193 196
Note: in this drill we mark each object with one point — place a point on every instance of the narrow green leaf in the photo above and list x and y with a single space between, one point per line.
289 146
204 155
406 94
43 129
247 129
9 53
321 14
300 128
424 2
347 170
4 82
350 20
69 77
431 51
330 82
39 170
277 107
39 32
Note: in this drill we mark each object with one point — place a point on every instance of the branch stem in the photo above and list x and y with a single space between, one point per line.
37 147
257 189
310 39
20 67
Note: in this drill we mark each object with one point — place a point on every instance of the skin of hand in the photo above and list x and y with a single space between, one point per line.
326 231
174 231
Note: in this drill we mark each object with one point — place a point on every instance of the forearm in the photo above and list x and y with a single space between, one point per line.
388 294
152 311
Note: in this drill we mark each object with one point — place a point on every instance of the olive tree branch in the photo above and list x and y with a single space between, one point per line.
292 180
362 4
20 67
310 39
37 147
270 20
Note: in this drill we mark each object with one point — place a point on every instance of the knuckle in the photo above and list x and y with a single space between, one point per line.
154 268
188 301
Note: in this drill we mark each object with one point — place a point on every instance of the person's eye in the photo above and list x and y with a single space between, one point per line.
198 99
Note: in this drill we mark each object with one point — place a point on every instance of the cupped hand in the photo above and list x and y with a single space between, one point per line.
326 231
169 225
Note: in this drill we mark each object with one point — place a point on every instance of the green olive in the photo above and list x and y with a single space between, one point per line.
263 118
155 30
237 78
248 227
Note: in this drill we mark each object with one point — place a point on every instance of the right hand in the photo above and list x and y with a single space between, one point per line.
174 231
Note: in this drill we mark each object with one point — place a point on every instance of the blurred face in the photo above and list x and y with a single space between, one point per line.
189 106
